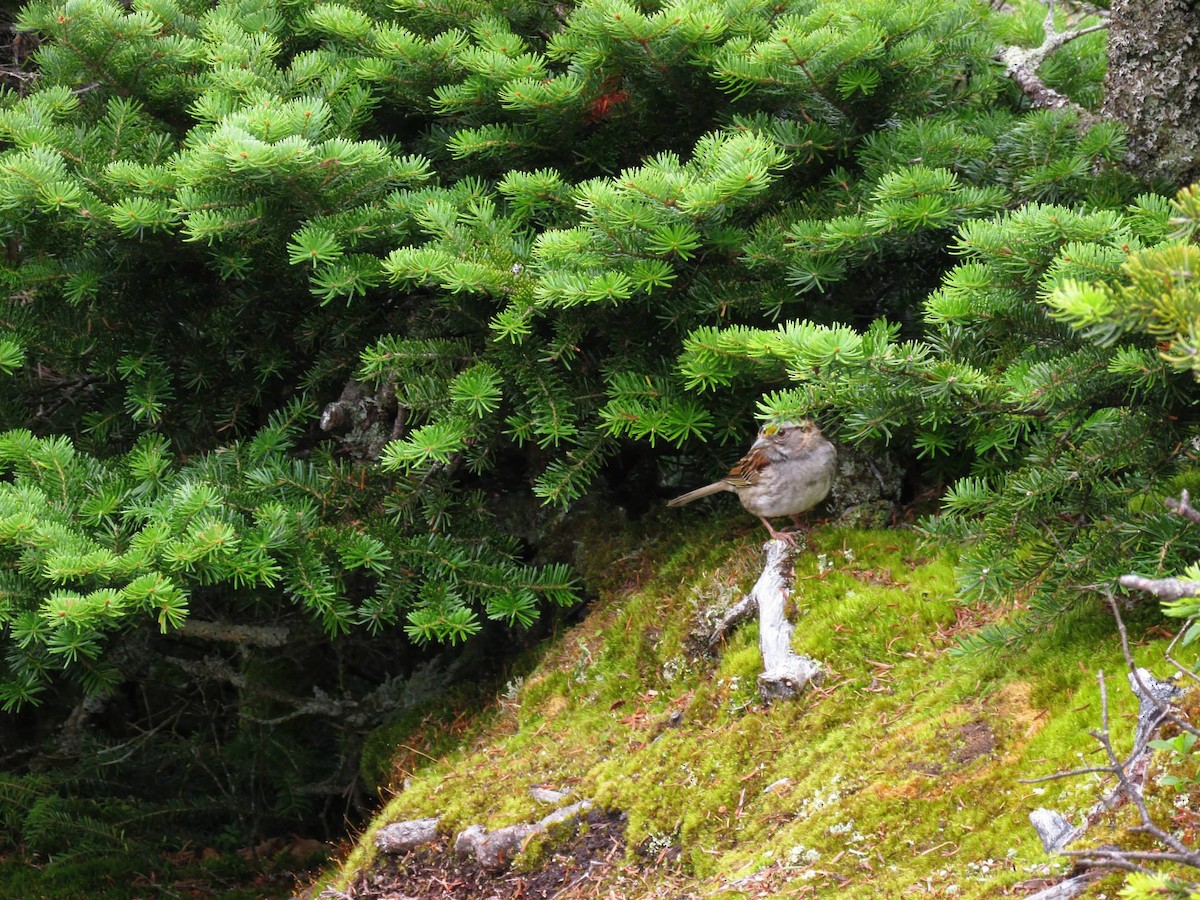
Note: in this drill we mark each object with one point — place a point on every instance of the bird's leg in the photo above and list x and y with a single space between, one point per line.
778 535
802 526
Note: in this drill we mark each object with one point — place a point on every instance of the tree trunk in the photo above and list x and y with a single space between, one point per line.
1153 86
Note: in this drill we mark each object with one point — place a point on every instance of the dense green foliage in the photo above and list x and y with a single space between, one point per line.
551 248
249 169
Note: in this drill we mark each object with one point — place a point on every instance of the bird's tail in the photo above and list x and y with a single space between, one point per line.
715 488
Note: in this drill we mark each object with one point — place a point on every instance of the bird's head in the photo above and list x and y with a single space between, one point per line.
787 432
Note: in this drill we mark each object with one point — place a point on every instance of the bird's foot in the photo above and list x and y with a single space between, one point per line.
787 537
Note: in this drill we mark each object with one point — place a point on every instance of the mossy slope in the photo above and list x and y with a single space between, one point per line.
899 775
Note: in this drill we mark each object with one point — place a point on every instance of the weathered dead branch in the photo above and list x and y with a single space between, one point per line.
1154 710
1162 588
1021 65
493 850
785 674
245 635
740 612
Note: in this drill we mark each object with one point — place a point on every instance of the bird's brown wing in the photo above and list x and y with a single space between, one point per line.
747 469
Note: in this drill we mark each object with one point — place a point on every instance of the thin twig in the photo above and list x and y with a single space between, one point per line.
1187 859
1115 861
1071 774
1087 9
1171 646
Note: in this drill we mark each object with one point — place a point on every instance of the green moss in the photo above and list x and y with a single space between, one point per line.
901 771
412 740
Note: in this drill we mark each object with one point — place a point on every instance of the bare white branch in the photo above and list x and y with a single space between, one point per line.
1183 506
1162 588
1021 65
785 673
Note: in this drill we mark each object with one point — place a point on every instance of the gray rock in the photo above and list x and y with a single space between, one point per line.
400 837
546 795
468 840
865 489
498 848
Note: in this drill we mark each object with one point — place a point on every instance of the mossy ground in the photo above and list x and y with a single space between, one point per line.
901 774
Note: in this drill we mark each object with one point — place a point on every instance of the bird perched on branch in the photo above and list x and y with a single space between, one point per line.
787 471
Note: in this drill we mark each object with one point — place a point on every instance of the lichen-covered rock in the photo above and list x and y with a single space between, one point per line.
865 490
364 419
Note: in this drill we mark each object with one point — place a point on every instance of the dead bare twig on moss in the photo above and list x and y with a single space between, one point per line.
735 616
1055 830
1165 711
1154 710
1130 777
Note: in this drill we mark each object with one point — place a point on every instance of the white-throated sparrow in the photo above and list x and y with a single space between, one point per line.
787 471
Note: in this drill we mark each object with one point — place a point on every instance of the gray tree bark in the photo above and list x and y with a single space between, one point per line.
1153 86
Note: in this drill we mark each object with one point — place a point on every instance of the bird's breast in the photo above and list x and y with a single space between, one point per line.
788 489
